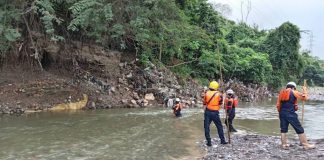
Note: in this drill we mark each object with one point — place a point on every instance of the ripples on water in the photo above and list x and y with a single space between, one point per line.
132 133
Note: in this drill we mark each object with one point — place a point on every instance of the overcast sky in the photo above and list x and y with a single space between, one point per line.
269 14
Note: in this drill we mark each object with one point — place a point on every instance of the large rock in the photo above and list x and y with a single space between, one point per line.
145 103
124 101
120 80
149 97
142 102
135 96
133 101
130 75
93 105
176 86
113 89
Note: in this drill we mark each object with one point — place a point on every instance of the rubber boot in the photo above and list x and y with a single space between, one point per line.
232 129
303 141
209 142
284 143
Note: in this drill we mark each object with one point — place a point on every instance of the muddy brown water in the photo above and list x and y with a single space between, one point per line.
133 133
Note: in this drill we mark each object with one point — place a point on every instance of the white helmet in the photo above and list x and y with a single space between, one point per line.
177 99
292 84
230 91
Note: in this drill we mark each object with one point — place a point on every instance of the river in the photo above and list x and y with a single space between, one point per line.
150 133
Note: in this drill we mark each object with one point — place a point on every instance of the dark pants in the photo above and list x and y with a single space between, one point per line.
230 118
177 113
287 118
209 117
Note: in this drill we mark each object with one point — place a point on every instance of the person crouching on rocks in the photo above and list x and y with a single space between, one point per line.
212 102
177 107
286 106
231 103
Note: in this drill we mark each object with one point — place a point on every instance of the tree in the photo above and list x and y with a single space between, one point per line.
282 45
9 15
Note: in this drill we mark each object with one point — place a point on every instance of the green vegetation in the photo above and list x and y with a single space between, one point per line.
169 32
313 70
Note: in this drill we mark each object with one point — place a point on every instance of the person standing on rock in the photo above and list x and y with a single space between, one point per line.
286 106
212 101
177 108
231 103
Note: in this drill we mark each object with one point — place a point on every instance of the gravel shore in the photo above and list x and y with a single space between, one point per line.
261 147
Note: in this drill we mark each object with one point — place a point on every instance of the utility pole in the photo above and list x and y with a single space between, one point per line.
310 40
248 10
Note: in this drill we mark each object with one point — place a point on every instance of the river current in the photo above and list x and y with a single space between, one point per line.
150 133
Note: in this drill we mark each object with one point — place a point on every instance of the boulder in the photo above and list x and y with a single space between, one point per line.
124 101
176 86
100 100
121 65
112 89
149 97
135 96
130 75
142 102
93 105
133 101
145 103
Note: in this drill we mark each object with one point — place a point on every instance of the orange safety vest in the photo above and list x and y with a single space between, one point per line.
214 104
235 104
284 96
177 107
230 103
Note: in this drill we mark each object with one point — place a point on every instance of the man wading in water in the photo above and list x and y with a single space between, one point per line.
287 105
231 102
212 102
177 108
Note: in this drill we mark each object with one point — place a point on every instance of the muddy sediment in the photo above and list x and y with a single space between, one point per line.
261 147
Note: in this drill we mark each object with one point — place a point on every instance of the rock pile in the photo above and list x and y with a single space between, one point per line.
157 84
5 109
248 93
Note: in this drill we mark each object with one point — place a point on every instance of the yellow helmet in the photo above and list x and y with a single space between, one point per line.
213 85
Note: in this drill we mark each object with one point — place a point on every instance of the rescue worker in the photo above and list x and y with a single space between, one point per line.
177 108
286 106
212 102
231 103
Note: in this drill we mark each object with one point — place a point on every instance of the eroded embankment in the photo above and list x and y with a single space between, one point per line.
108 78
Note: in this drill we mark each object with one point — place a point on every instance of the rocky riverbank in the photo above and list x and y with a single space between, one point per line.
261 147
109 79
316 93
